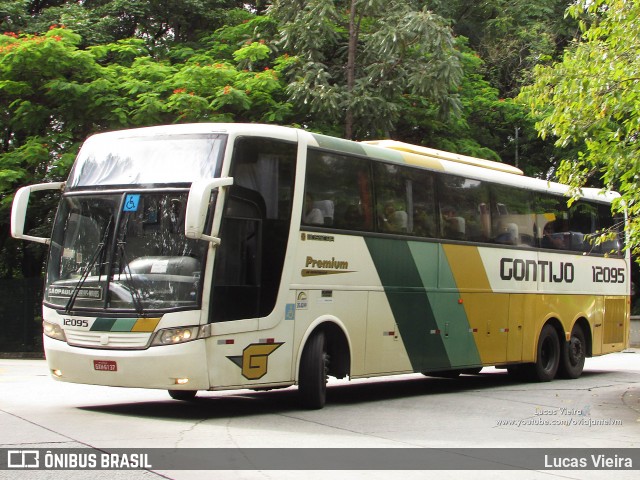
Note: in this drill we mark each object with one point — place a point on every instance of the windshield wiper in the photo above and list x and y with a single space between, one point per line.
135 294
136 298
99 252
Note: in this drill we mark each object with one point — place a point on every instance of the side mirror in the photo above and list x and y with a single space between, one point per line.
198 205
19 210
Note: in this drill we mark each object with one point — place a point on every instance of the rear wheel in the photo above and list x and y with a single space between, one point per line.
314 366
548 358
574 353
185 395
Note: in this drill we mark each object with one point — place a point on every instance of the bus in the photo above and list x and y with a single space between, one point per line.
209 257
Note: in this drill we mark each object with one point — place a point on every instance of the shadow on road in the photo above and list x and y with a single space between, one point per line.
212 405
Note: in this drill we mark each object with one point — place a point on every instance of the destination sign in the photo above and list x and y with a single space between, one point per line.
93 293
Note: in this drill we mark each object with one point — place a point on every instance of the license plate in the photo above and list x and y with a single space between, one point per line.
105 365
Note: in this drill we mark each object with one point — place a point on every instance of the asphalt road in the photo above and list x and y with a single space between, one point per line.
489 410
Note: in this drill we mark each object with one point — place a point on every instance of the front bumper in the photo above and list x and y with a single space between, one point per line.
155 367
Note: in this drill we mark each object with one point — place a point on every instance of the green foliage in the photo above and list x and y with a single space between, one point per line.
251 53
511 36
590 101
56 93
357 59
159 22
485 127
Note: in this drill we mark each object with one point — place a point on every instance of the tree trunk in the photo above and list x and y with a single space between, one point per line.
354 28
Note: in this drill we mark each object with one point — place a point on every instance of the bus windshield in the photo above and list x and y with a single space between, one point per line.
123 252
104 160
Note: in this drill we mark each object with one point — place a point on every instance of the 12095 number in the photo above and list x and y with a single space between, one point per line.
75 322
608 274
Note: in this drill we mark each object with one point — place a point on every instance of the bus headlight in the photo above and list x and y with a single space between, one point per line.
172 336
53 330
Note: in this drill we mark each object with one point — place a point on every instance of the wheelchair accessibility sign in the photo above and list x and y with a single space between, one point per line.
131 202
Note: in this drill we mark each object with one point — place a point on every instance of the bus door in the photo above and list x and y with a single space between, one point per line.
239 264
248 267
254 229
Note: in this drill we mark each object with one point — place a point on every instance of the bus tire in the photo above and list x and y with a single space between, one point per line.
548 358
312 379
184 395
574 353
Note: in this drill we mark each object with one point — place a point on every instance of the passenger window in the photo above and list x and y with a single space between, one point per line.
464 214
512 219
552 222
593 222
405 200
337 192
391 199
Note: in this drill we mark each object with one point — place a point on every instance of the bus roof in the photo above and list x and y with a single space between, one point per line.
395 152
442 155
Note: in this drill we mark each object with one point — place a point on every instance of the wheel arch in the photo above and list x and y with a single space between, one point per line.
338 345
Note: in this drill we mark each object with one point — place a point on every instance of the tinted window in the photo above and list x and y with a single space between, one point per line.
464 209
578 228
338 192
405 200
254 229
512 219
354 193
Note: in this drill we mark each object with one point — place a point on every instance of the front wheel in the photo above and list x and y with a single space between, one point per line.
574 353
312 379
184 395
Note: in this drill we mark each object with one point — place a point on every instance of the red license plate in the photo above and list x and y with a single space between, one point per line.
105 365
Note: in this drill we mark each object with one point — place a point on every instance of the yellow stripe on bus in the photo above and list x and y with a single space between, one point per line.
146 325
487 312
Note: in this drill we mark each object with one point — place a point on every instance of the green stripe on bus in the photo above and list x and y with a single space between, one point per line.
409 303
338 144
113 324
354 148
124 325
449 313
103 324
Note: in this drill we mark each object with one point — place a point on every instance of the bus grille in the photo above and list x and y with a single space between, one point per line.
107 340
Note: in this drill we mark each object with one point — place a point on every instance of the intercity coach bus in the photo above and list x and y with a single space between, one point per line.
232 256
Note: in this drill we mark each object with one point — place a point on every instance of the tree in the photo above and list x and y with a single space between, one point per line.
36 72
358 58
590 101
158 22
55 94
511 36
486 126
